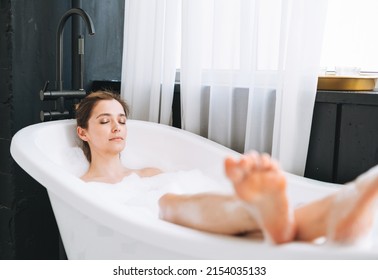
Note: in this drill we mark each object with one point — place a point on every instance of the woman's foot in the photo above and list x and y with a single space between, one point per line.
260 183
352 214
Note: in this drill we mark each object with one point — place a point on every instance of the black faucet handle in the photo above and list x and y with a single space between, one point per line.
45 86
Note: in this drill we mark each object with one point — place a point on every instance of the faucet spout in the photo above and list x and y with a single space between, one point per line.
59 39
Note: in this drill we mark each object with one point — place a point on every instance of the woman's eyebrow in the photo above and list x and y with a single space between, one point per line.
108 115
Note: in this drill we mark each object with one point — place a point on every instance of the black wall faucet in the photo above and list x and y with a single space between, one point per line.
59 95
59 40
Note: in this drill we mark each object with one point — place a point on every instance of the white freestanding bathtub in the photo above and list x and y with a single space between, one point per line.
93 226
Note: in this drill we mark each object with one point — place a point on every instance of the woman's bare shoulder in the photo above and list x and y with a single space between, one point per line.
86 178
149 172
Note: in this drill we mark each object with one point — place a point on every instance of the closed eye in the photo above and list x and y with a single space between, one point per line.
104 121
122 121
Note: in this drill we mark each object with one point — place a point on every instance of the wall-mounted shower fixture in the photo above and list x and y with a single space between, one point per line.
59 95
59 39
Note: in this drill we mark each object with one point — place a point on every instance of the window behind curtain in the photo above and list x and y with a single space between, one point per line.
351 35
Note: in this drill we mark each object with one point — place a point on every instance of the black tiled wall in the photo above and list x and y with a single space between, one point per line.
27 59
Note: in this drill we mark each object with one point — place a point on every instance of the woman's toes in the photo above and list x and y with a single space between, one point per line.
266 162
233 172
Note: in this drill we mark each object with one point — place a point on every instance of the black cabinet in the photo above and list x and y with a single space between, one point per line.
344 136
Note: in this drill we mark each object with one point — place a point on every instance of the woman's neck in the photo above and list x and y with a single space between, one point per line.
106 169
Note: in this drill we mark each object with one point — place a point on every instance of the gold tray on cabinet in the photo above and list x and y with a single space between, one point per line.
358 83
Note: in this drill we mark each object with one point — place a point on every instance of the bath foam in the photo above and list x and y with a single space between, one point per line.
74 161
144 193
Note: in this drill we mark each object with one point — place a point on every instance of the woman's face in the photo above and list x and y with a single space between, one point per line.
106 132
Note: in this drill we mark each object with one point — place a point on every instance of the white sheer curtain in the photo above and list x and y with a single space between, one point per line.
248 69
149 58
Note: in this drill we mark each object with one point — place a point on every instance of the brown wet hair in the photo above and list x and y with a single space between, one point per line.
84 111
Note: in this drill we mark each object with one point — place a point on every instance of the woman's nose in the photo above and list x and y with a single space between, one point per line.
116 127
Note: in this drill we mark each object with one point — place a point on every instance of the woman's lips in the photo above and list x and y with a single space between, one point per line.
116 139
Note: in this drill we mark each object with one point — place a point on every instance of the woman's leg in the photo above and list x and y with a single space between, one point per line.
343 217
263 205
260 184
208 212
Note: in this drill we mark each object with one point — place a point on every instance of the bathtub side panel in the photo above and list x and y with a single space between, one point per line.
85 238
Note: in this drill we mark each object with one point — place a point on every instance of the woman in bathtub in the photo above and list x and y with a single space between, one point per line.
101 124
260 202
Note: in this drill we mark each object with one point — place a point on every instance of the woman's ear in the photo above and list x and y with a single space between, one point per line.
81 132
